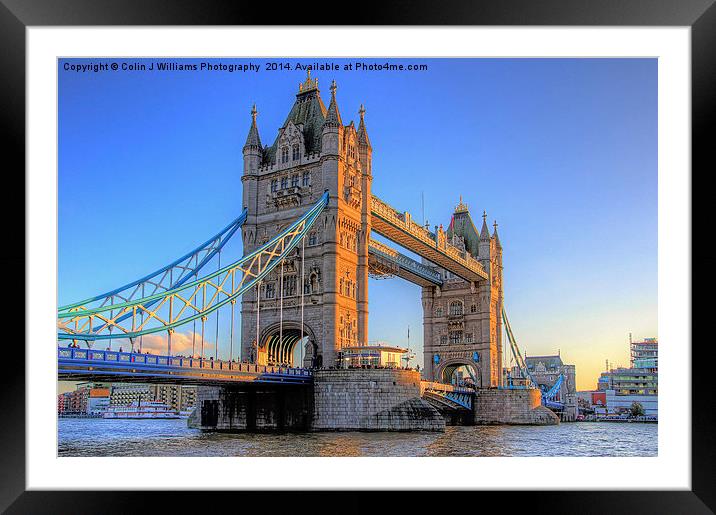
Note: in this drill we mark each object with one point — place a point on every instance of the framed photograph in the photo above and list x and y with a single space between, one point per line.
443 252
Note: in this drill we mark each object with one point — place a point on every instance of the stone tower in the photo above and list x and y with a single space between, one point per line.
462 321
313 152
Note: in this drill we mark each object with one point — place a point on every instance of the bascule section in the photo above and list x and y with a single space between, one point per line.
316 302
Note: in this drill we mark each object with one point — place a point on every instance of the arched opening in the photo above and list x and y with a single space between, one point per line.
461 374
290 347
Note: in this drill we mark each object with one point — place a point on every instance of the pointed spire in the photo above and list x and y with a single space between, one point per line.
362 132
496 236
253 139
333 117
484 232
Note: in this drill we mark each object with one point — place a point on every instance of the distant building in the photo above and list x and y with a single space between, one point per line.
123 394
618 389
98 400
545 370
87 398
176 397
624 386
645 354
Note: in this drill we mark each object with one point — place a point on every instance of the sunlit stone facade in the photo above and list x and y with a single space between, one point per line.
313 152
462 321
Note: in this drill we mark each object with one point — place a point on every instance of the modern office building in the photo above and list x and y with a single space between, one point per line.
645 354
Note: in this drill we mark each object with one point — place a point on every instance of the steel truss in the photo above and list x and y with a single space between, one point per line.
166 310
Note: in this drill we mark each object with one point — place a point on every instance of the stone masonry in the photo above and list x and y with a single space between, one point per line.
503 406
313 152
372 400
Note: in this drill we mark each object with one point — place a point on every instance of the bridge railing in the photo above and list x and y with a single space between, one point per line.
440 242
129 358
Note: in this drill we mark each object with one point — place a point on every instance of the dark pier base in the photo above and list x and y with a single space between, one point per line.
253 407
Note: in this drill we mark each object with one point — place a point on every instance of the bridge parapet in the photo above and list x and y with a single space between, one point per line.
76 363
400 228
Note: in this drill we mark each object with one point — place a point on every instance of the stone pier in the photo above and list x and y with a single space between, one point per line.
372 400
503 406
253 407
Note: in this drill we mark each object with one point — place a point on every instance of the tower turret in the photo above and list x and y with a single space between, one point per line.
252 147
332 127
484 246
365 150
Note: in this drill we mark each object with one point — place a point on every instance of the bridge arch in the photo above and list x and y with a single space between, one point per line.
275 350
446 371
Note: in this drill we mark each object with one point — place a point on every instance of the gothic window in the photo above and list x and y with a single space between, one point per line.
284 154
270 290
455 337
284 182
468 337
473 308
312 240
294 181
306 179
439 311
274 185
443 340
289 286
456 308
296 153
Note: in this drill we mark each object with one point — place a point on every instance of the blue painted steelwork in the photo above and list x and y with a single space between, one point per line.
459 397
550 394
75 363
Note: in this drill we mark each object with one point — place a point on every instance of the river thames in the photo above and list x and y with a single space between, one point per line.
100 437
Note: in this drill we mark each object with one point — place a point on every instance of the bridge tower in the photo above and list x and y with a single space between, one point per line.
462 321
313 152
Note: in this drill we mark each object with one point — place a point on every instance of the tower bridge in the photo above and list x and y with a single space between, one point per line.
307 214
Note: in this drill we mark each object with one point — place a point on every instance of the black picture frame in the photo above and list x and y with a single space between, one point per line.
17 15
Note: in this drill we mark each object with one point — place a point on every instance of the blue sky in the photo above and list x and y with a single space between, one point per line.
561 152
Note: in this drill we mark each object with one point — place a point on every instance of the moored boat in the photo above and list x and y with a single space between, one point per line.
143 410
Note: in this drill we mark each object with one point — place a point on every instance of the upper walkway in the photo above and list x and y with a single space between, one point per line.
75 364
385 260
400 228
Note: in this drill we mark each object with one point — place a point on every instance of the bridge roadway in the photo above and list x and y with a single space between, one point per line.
74 364
400 228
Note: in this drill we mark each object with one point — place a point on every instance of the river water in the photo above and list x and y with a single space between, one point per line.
100 437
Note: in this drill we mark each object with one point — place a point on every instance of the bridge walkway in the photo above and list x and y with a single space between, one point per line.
400 228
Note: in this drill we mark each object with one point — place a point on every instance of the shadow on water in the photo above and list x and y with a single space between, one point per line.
99 437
